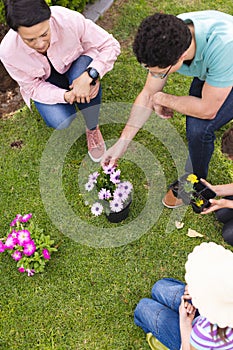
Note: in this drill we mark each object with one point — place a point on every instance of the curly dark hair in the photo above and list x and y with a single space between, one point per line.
160 40
227 143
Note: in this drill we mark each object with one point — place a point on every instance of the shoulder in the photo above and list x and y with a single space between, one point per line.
9 42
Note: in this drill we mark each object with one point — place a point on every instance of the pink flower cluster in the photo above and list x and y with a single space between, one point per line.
20 243
114 191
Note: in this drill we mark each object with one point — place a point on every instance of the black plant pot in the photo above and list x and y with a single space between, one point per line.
200 191
120 216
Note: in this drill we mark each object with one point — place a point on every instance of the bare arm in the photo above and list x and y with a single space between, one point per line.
140 112
205 107
186 313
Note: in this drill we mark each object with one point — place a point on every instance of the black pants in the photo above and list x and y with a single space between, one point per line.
226 217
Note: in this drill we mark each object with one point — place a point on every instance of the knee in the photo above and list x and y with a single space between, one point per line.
141 308
60 123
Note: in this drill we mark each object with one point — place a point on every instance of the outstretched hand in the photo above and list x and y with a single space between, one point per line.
115 152
217 204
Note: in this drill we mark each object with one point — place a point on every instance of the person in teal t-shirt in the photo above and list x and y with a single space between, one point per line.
197 44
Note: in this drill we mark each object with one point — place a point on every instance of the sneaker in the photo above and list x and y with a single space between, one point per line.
170 201
95 143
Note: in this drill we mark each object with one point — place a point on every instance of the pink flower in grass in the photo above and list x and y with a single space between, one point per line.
26 217
108 169
2 247
23 237
11 241
29 248
17 255
120 194
46 254
97 209
16 219
21 269
126 186
93 177
30 272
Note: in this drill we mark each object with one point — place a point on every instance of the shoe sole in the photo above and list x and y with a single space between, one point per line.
172 206
97 160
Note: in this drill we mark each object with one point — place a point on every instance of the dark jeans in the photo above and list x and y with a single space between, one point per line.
226 217
60 115
201 133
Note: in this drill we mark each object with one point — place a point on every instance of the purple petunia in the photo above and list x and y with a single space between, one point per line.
116 205
23 237
26 217
89 186
115 176
16 219
17 255
30 272
46 254
11 241
21 269
104 194
29 248
97 209
2 247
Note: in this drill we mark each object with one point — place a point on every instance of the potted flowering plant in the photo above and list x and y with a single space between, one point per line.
112 196
192 191
27 245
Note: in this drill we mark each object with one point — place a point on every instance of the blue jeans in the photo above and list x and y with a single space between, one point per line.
225 215
60 115
200 133
160 315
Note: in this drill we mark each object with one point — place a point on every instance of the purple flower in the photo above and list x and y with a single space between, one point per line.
21 269
11 242
93 177
89 186
26 217
116 205
16 219
2 247
29 248
30 272
17 255
46 254
115 176
120 194
108 169
126 186
97 209
104 194
23 237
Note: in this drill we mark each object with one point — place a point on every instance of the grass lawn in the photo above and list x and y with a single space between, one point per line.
86 297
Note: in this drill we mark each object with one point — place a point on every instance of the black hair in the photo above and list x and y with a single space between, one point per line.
227 142
160 40
26 13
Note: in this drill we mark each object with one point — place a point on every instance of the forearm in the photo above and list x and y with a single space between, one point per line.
185 332
224 190
187 105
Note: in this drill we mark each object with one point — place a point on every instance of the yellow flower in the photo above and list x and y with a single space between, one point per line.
192 178
199 202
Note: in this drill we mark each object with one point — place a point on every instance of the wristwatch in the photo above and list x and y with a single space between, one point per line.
92 72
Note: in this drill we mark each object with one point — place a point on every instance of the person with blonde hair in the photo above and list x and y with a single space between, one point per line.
195 316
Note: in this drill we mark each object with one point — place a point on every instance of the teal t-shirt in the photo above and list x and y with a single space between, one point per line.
213 61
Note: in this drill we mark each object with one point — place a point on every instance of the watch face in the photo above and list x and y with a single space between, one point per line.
93 73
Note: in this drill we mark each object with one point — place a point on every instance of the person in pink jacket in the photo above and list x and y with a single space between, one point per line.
57 57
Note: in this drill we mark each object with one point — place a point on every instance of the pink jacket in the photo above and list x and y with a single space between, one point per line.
72 35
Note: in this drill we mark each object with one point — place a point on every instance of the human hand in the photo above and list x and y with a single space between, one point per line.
82 89
217 204
115 152
163 112
69 97
186 311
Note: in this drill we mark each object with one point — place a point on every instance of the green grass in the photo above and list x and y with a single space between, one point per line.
86 297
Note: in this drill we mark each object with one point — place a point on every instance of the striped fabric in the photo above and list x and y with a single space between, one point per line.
202 339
